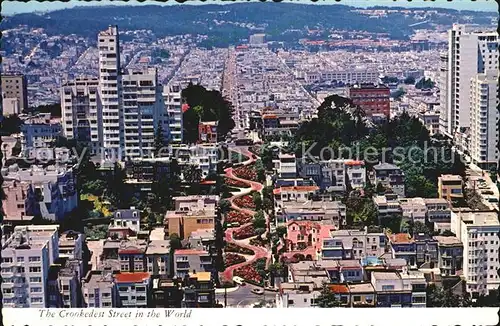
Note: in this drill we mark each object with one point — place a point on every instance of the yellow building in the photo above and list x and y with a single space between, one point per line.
450 187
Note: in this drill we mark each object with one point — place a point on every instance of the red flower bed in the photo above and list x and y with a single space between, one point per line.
259 242
236 183
238 217
250 272
244 232
231 259
246 172
231 247
244 202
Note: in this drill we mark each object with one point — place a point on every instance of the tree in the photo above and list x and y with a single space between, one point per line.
115 189
267 204
281 231
327 298
192 175
425 83
159 142
224 206
441 297
151 220
259 220
398 93
175 243
410 80
380 189
10 125
257 200
417 228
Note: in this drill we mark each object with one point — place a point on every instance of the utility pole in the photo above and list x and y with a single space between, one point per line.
225 297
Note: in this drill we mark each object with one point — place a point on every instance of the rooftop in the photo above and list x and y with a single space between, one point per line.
201 276
132 277
190 252
385 275
450 177
399 238
361 288
447 241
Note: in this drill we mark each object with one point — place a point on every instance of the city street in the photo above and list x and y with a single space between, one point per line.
243 297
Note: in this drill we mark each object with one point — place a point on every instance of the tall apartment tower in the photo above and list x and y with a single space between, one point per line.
26 258
110 91
15 87
484 120
82 112
445 115
470 51
143 112
173 105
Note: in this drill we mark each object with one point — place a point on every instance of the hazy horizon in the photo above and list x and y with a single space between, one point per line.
14 7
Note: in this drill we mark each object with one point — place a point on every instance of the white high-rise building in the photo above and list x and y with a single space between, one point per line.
110 91
484 120
143 112
26 257
173 105
470 51
478 232
82 112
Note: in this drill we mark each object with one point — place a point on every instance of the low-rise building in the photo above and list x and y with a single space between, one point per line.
199 291
390 176
390 290
450 255
39 131
134 289
158 257
167 293
191 213
100 290
403 246
450 187
353 244
362 295
325 212
127 218
191 260
71 245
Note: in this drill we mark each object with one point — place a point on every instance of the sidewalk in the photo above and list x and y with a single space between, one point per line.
229 290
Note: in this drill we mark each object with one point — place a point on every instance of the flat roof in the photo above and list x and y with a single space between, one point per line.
132 277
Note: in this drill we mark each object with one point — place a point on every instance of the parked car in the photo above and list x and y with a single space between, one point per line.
257 291
238 280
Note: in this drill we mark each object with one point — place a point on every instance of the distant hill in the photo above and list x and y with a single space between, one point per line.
276 18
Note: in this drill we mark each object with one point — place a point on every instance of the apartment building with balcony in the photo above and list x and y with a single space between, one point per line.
416 282
353 244
39 131
51 193
450 255
143 112
484 120
478 231
302 194
81 111
438 210
134 289
362 295
287 166
450 187
388 206
173 104
191 261
26 258
199 290
472 50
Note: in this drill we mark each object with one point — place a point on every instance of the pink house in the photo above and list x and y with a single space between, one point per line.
306 237
17 204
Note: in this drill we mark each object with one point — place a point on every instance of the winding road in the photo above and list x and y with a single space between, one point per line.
260 252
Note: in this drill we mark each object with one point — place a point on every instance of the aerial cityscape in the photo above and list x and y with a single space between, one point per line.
262 155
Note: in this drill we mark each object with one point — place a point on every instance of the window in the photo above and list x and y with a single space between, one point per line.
7 260
357 298
36 290
387 287
35 279
34 259
35 269
20 259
